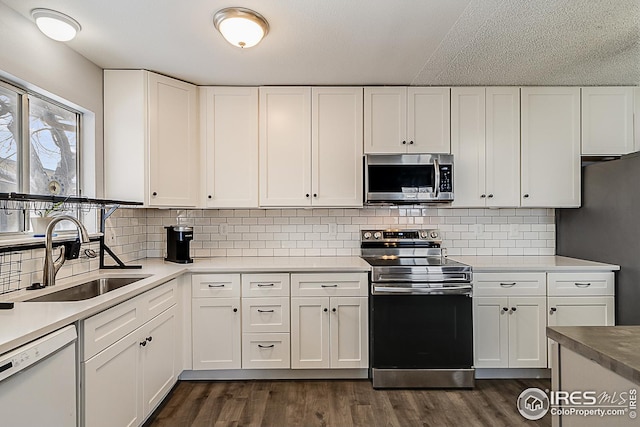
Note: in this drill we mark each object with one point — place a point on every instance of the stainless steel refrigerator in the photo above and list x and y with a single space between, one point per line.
607 228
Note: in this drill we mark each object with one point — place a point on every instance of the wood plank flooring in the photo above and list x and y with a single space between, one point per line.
341 403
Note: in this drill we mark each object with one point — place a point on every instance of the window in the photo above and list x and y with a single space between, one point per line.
38 150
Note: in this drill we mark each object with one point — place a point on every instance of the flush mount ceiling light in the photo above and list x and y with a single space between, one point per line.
56 25
241 27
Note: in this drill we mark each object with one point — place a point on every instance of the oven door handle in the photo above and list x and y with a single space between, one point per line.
454 290
450 278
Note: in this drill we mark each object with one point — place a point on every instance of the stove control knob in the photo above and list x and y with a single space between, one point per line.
367 235
377 235
434 235
423 234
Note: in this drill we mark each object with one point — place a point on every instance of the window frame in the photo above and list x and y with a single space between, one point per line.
24 146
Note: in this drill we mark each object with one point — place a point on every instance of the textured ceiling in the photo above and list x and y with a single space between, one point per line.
338 42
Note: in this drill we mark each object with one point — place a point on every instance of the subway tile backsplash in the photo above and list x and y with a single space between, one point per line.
135 233
336 232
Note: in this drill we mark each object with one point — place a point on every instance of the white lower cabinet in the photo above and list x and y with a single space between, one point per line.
510 332
510 320
329 331
216 333
581 299
125 382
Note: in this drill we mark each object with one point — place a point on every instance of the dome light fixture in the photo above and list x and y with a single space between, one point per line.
240 26
56 25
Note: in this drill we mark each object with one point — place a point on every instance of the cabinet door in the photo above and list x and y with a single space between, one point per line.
527 338
502 166
216 333
428 120
607 120
385 120
550 157
112 381
336 146
285 146
229 135
173 142
468 146
581 311
159 370
310 333
349 332
491 332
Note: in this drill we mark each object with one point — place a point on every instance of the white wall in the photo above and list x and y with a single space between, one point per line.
36 62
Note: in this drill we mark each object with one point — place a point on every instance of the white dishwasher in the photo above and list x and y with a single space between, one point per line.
38 382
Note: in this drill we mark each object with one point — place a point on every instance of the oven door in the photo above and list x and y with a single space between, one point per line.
421 331
408 178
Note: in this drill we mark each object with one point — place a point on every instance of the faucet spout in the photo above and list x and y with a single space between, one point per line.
50 267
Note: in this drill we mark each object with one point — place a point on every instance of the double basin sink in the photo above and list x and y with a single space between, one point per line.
89 289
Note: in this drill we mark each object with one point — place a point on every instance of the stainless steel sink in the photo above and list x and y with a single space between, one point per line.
88 290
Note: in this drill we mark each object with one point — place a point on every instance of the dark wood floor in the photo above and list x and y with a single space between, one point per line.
341 403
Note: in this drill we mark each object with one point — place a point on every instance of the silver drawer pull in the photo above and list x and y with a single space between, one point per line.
266 346
508 285
265 285
265 311
216 286
328 286
582 285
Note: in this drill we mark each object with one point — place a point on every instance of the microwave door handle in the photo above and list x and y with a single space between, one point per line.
436 173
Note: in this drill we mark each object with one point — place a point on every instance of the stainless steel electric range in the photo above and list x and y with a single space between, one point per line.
421 326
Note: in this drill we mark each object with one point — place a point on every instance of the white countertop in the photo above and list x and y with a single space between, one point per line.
482 264
30 320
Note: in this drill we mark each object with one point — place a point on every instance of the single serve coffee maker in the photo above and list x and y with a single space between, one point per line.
178 238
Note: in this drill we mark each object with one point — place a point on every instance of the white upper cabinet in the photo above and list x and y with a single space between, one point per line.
310 146
229 141
285 146
485 143
550 145
336 142
406 120
151 134
607 121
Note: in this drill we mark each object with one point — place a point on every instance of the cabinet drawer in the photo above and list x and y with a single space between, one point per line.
265 314
508 284
580 284
104 329
265 285
215 285
159 299
329 284
260 351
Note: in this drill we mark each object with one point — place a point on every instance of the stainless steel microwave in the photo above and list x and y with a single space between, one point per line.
408 178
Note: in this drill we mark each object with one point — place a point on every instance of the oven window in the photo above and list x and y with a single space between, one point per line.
391 178
421 331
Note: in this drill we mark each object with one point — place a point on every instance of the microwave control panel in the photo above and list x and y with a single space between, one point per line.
446 178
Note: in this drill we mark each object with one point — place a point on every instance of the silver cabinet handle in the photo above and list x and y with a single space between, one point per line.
582 285
265 311
508 285
216 286
328 286
265 285
436 177
266 346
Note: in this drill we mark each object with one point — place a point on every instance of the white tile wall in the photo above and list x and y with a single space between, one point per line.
336 232
139 233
